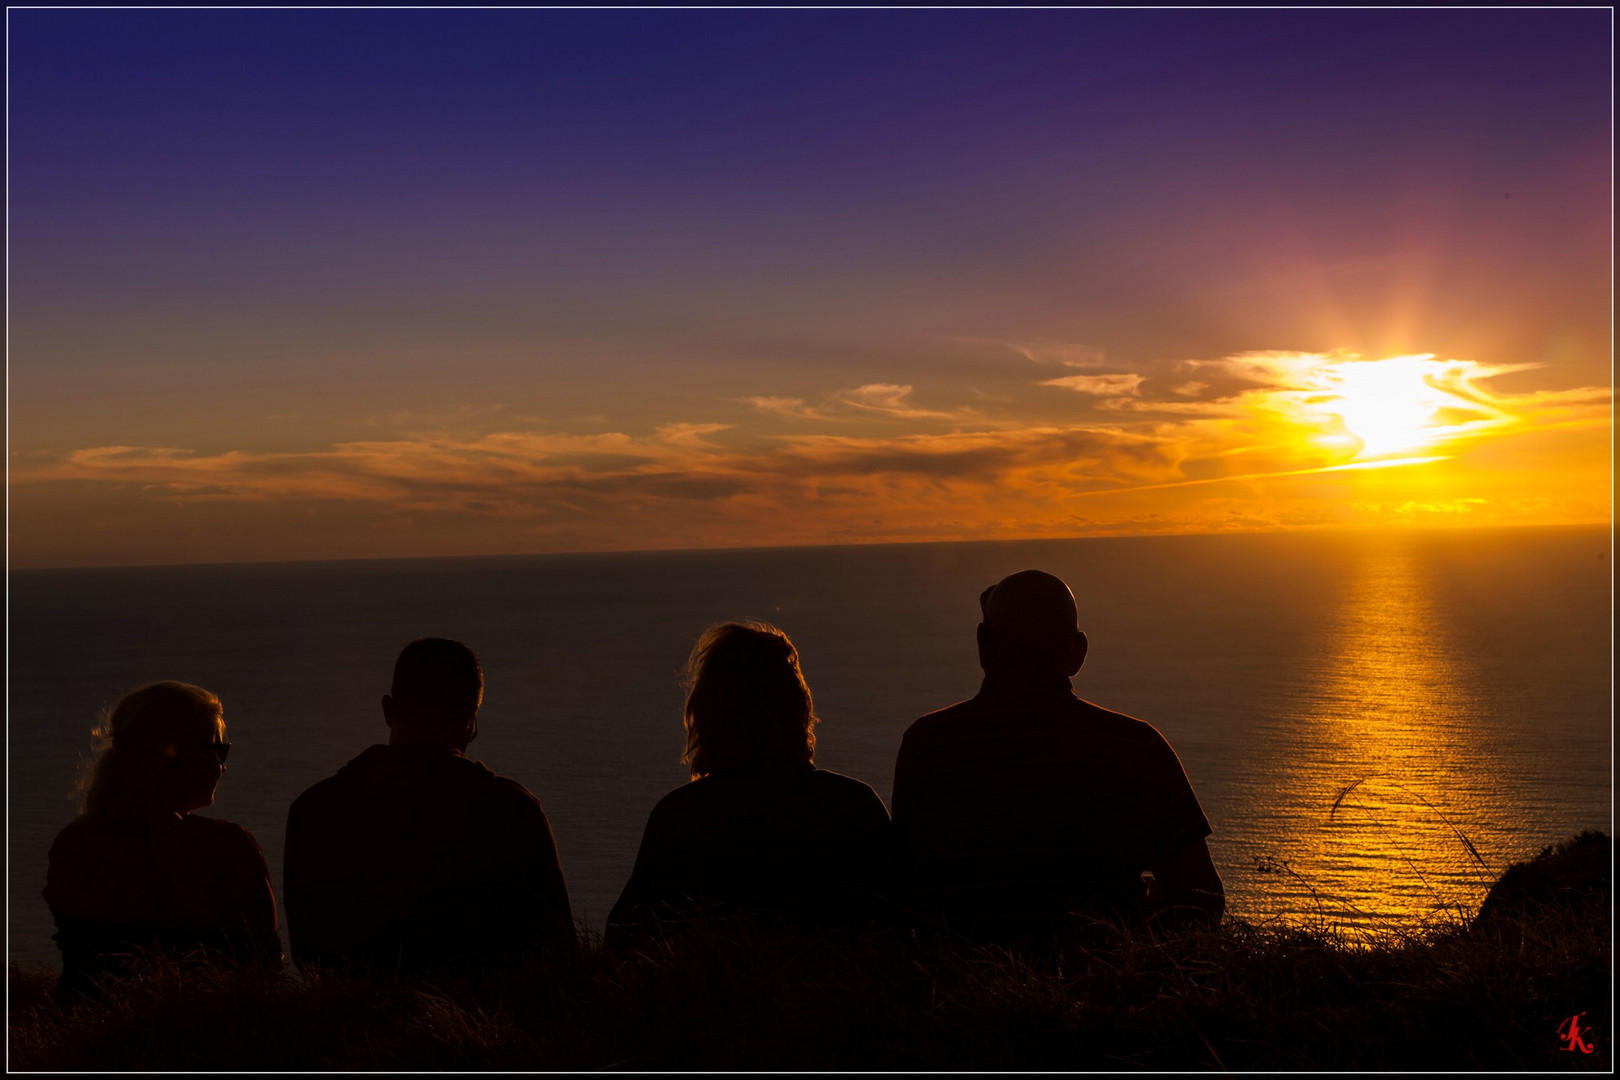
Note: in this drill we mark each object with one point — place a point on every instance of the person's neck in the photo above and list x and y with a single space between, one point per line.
417 739
764 769
1025 686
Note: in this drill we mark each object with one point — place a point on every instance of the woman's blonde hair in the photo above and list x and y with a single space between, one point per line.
136 746
747 705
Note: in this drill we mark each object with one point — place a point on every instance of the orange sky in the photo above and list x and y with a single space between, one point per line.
538 281
1256 441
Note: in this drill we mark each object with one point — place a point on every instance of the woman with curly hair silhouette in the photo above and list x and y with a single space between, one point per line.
759 828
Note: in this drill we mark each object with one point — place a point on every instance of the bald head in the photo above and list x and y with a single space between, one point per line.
1030 626
1031 605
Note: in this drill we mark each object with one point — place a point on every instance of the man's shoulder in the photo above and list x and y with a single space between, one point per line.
315 795
1066 717
383 770
509 793
486 792
963 713
346 779
1120 725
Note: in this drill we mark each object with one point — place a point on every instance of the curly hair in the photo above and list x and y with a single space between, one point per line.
136 745
747 705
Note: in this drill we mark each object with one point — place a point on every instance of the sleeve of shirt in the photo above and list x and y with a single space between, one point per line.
548 887
1181 818
543 913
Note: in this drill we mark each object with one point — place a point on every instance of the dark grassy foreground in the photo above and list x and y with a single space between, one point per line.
735 998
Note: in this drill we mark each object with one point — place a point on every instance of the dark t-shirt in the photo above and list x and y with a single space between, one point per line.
799 841
1007 804
176 882
414 857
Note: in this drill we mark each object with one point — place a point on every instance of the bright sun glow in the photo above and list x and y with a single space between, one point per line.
1395 405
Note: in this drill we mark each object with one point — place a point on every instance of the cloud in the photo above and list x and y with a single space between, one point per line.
1064 353
786 408
690 435
982 457
1214 449
891 400
516 473
1594 396
886 400
1100 385
1280 420
503 470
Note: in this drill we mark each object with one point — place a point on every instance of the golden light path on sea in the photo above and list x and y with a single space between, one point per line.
1400 798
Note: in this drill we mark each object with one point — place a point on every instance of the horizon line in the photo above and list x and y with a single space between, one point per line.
1339 527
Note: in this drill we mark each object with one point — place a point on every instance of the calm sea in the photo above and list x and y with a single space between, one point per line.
1349 707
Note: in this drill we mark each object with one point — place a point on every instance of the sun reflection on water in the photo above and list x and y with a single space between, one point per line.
1392 797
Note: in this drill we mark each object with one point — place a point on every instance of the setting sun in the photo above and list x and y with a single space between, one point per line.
578 333
1404 403
1387 404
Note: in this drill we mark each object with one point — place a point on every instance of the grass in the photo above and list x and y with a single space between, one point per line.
731 996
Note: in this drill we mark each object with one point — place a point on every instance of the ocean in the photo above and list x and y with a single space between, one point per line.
1376 723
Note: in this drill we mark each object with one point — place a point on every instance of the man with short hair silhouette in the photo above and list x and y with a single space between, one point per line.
414 858
1026 802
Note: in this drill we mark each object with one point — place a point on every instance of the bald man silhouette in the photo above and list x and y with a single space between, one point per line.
1025 803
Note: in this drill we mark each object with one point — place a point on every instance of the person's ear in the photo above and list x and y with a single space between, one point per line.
472 726
388 710
1077 653
987 645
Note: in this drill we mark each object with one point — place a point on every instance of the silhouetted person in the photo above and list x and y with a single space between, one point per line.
414 858
759 829
137 870
1026 802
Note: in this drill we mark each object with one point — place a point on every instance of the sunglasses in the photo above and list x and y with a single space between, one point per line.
220 747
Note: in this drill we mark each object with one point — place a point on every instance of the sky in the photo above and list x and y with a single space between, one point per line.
313 284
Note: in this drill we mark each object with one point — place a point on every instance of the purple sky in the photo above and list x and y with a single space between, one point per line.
274 274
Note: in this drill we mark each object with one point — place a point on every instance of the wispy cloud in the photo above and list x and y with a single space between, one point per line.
1204 451
886 400
986 458
1099 385
892 400
784 408
694 436
1062 353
